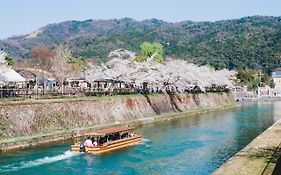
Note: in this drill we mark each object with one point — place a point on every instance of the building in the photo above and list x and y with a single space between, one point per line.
41 78
29 76
276 76
275 93
107 83
78 83
9 76
264 92
10 80
242 93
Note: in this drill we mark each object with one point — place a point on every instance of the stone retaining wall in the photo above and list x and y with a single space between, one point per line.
27 119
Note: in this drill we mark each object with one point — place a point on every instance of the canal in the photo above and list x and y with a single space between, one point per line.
192 145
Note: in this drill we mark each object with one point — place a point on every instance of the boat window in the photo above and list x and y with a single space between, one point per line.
124 135
102 140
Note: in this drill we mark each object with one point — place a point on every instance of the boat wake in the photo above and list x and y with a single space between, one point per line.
145 141
37 162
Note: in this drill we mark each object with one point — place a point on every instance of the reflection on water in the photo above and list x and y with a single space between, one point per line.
193 145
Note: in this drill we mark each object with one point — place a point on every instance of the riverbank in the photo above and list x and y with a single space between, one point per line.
258 158
33 123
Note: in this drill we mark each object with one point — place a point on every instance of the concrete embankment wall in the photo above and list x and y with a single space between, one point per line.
32 121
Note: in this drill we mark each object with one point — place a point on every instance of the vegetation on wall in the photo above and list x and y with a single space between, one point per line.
141 58
2 129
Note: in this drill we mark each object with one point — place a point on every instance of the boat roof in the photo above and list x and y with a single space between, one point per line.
110 130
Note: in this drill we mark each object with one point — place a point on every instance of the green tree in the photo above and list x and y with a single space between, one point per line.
249 78
147 49
159 51
9 59
152 49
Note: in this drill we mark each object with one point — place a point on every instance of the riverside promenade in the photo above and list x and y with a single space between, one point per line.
260 157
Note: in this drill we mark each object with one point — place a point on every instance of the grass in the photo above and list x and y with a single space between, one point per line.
12 99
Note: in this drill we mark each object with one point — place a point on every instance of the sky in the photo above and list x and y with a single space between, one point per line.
25 16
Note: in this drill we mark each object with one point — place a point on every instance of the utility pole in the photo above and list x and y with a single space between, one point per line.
36 83
260 76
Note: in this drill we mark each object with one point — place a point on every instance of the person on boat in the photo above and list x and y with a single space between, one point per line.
88 142
95 143
125 135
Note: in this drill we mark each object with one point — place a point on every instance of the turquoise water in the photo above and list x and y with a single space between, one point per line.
192 145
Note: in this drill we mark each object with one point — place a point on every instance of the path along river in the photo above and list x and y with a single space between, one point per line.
191 145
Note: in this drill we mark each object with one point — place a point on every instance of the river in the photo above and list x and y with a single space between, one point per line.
192 145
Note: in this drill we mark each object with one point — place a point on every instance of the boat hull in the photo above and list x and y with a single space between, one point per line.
110 146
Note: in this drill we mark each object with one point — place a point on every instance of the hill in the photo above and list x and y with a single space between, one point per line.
250 42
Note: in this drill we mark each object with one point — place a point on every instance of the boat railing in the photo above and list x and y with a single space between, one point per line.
130 136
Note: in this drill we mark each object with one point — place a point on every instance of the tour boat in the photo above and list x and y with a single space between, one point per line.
108 140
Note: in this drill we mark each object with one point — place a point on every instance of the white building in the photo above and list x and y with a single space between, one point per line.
276 76
7 74
265 92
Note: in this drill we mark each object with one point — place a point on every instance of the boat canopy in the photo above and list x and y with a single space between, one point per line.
110 130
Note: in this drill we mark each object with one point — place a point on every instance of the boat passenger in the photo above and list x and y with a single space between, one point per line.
111 137
125 135
88 142
95 143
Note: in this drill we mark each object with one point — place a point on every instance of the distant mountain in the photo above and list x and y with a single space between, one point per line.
250 42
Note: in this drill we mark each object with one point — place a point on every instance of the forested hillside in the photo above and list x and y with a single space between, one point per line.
250 42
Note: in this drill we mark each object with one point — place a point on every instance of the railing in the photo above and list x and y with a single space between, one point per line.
52 93
70 91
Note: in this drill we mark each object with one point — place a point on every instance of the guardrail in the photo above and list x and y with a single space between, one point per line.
58 92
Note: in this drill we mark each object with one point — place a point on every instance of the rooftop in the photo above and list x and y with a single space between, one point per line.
9 75
110 130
